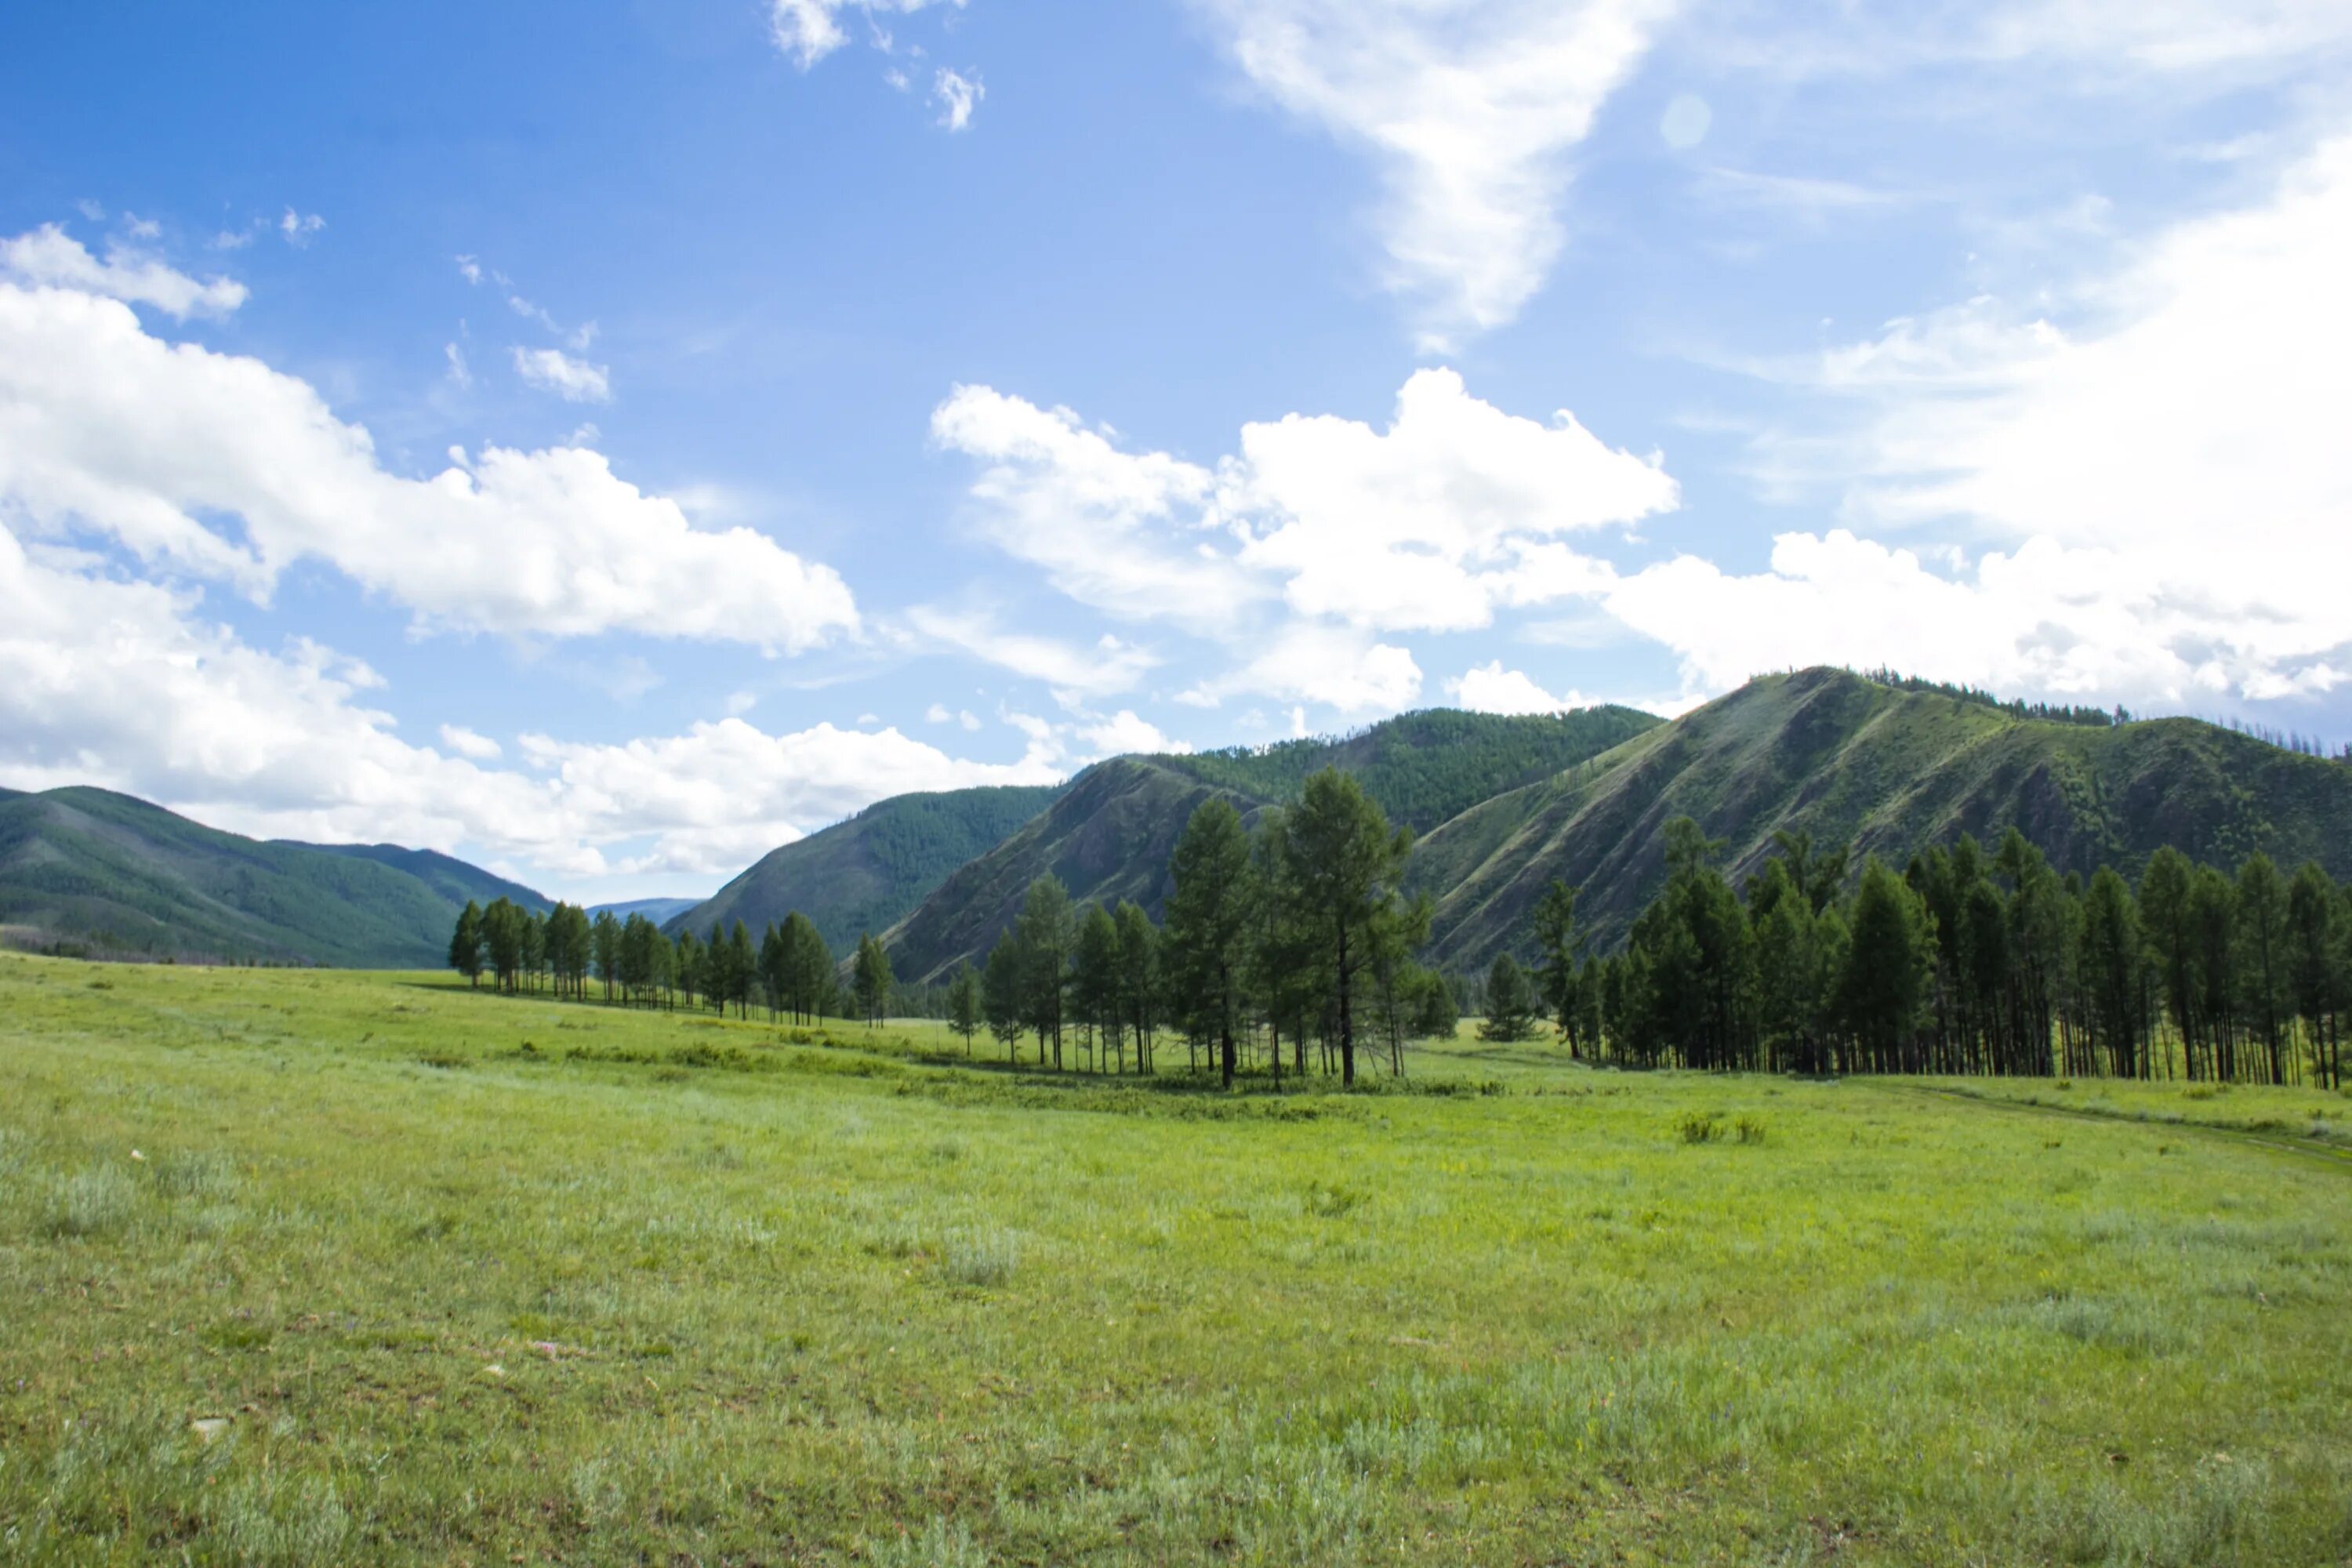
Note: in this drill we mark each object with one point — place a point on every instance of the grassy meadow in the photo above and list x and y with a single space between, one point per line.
400 1273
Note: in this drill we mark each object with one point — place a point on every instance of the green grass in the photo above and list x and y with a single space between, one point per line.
405 1274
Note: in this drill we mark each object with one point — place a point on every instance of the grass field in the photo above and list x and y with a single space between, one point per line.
400 1273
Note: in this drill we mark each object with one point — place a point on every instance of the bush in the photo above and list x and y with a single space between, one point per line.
1700 1126
980 1257
1747 1129
91 1203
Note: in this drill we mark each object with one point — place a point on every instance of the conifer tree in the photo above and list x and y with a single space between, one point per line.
870 980
1209 911
964 1015
466 944
1510 1002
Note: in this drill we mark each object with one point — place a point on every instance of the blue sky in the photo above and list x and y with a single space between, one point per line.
608 440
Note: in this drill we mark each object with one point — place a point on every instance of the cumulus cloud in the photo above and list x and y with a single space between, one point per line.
127 685
1319 533
2163 471
108 428
1427 524
468 744
1491 689
1123 733
572 380
1334 666
1471 109
48 257
957 94
1127 533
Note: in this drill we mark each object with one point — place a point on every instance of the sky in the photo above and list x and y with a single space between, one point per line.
607 440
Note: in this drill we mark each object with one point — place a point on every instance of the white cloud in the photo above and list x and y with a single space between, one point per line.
1471 109
957 95
48 257
1073 671
2168 478
1124 732
808 30
1432 523
1333 666
1427 524
468 744
1125 533
105 428
938 713
123 684
572 380
300 227
1491 689
459 372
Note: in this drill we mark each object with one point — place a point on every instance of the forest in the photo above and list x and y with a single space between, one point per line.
1287 949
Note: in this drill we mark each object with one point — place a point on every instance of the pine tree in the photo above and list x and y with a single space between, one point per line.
1208 908
1510 1002
1045 930
1138 979
466 943
1340 866
1094 984
1556 939
964 1015
870 980
1889 963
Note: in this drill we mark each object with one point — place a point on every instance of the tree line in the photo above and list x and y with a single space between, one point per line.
1967 962
1286 948
790 971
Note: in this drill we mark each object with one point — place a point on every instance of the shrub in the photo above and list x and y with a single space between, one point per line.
91 1203
1700 1126
1749 1130
980 1257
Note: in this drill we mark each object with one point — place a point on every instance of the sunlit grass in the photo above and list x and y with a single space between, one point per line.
401 1273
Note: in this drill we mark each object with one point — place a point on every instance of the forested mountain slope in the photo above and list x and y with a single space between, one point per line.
456 881
1851 761
864 874
1109 836
124 876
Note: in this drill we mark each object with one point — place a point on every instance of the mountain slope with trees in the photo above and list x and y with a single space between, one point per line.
118 875
1881 770
864 874
1109 837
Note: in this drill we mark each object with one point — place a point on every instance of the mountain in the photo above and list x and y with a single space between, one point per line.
454 879
1110 835
1889 771
864 874
654 910
119 875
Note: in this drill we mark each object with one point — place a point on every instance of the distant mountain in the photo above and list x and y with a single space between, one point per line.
1888 771
864 874
1108 836
654 910
118 875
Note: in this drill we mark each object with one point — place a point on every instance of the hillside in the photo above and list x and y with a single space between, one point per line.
119 875
1851 761
456 880
864 874
1109 836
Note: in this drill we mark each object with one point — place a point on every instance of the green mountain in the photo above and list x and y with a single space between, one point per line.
1109 836
119 875
1851 759
454 879
864 874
